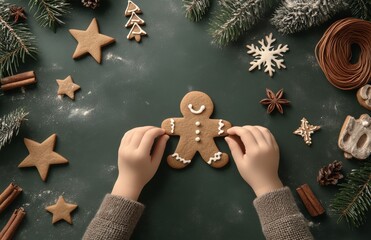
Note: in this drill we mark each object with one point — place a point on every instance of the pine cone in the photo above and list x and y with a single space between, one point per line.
90 3
330 174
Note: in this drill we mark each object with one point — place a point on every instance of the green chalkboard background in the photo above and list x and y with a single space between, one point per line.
142 84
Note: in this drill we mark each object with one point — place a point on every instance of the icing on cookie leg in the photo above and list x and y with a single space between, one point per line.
179 158
216 157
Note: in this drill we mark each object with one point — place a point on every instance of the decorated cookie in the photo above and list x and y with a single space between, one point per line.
134 19
355 137
132 8
136 32
197 132
364 96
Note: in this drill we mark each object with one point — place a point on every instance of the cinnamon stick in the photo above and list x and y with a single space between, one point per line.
310 201
18 77
12 225
18 84
8 196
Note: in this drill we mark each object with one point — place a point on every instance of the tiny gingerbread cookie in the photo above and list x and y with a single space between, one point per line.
355 137
364 96
61 210
67 87
197 132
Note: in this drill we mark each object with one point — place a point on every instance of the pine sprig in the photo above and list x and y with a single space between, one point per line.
234 17
360 8
16 41
49 13
195 9
10 124
298 15
354 199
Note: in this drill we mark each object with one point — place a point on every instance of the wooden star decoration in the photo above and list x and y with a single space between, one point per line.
67 87
306 130
42 156
274 101
61 210
90 41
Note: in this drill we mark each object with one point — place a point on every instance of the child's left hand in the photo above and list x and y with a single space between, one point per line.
136 164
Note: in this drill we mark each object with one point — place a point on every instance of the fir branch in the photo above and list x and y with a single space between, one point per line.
354 199
360 8
195 9
234 17
49 13
298 15
10 124
16 41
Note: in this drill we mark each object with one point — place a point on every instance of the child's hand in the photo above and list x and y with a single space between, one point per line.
136 163
256 154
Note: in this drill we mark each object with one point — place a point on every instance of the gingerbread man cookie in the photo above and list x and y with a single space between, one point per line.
197 132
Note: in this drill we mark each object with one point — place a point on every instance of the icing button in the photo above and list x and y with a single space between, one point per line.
197 139
198 132
198 123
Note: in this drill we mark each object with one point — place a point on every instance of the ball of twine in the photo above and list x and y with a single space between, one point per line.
333 53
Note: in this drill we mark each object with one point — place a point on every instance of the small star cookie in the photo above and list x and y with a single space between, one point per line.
42 156
306 130
90 41
67 87
61 210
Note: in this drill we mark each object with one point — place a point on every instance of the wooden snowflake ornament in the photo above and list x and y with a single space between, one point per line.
306 130
267 55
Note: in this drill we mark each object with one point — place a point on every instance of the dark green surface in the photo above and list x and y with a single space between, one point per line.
142 84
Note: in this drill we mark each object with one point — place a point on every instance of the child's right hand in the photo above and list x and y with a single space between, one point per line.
256 154
139 157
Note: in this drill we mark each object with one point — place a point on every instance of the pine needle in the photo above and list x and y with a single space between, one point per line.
195 9
360 8
298 15
49 13
16 41
354 198
234 17
10 124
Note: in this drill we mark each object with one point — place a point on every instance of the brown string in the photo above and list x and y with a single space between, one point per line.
333 53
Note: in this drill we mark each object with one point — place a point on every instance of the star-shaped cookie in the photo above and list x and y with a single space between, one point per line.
90 41
67 87
61 210
42 155
306 130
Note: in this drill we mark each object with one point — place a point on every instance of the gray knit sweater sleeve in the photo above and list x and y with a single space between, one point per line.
280 217
115 219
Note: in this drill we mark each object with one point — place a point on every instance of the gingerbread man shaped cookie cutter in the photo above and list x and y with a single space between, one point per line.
197 132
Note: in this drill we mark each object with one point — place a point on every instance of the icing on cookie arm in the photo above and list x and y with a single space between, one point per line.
220 127
170 125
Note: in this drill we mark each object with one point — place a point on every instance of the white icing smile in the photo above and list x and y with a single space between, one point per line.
199 111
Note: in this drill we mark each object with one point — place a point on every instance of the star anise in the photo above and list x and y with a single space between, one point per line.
17 13
274 101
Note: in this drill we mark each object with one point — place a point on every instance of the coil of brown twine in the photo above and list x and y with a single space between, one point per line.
333 53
